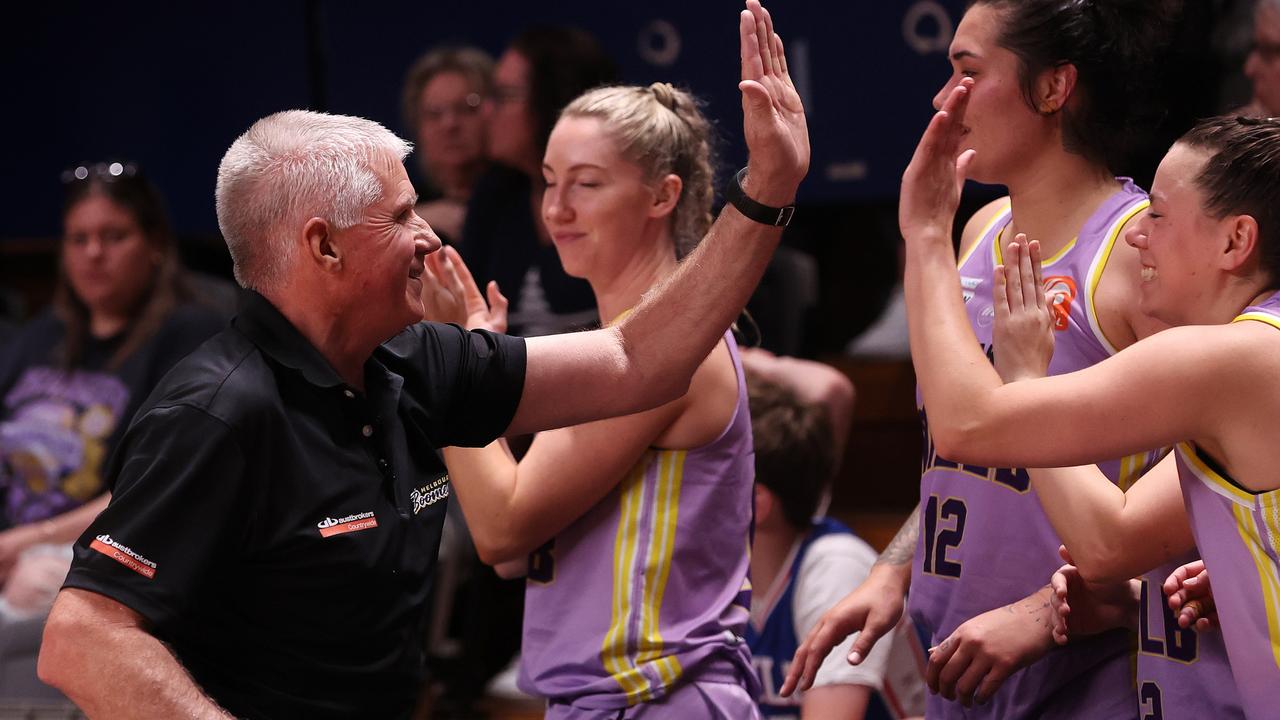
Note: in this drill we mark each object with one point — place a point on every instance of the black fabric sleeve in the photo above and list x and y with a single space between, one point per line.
176 514
467 383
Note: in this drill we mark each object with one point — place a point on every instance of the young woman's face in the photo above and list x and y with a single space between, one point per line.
107 258
998 123
451 126
1176 240
597 202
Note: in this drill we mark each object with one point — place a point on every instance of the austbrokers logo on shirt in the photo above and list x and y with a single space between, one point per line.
124 555
351 523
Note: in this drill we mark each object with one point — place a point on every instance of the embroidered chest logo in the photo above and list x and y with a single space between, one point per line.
351 523
123 555
1060 292
430 494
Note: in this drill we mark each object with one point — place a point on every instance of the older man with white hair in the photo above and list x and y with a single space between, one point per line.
278 501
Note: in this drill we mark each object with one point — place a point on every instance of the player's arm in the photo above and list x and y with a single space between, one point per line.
1114 535
651 356
99 653
511 508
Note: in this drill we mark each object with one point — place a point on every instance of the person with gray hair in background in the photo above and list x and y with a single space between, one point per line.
278 500
443 101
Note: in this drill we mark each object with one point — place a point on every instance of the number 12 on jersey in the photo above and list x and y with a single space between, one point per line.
943 529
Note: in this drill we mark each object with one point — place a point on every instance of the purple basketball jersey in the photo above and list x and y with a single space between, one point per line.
648 589
1237 532
984 539
1182 674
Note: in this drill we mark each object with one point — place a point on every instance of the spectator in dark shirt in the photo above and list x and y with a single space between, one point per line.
504 239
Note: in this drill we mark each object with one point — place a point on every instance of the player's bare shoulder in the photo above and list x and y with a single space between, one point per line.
979 222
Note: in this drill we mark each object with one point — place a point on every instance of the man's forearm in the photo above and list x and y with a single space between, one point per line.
96 653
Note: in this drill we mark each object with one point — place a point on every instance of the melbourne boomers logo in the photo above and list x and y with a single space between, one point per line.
430 494
351 523
1060 292
124 555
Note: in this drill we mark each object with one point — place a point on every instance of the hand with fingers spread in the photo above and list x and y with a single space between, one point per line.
1023 334
450 294
1191 596
773 117
975 660
1081 608
872 610
933 180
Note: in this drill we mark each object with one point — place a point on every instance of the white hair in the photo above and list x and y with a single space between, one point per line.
290 167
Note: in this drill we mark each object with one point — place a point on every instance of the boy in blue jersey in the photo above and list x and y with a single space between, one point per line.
800 566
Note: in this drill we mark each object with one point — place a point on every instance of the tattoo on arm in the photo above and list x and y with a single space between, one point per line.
903 546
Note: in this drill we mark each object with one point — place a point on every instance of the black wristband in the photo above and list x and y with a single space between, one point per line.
761 213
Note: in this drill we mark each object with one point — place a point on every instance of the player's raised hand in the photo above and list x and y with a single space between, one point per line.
450 294
1023 333
773 117
933 180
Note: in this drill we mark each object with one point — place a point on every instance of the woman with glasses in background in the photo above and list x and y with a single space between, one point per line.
443 102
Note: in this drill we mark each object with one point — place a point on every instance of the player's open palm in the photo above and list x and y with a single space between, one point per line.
1023 335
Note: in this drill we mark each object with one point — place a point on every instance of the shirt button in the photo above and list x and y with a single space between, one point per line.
350 395
367 431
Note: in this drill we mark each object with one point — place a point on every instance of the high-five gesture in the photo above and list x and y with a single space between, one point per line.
933 180
773 116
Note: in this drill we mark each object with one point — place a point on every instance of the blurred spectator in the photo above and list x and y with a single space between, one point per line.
504 239
1262 66
70 381
443 102
801 563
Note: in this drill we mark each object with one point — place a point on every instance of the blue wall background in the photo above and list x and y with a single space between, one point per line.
171 85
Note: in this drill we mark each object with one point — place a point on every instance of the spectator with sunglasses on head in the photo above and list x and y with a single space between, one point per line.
71 379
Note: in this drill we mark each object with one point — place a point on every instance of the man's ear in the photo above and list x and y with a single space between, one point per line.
321 244
666 196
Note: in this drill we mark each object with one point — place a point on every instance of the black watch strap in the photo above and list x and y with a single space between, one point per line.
761 213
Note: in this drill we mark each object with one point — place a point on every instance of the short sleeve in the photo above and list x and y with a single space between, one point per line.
467 384
833 567
177 513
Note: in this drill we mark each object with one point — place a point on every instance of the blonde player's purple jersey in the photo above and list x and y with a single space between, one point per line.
1182 674
985 541
648 590
1238 532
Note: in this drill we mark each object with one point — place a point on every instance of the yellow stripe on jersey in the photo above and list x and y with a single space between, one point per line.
1212 479
1267 318
1100 265
1268 574
614 654
986 229
658 568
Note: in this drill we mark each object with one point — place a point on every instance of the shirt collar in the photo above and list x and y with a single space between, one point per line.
271 331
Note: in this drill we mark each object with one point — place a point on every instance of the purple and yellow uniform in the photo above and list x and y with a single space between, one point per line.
1182 674
647 592
985 541
1238 534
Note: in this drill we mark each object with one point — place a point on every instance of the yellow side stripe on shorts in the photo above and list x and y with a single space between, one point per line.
658 569
1268 576
614 654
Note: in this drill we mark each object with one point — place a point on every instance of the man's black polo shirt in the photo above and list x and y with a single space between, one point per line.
278 528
